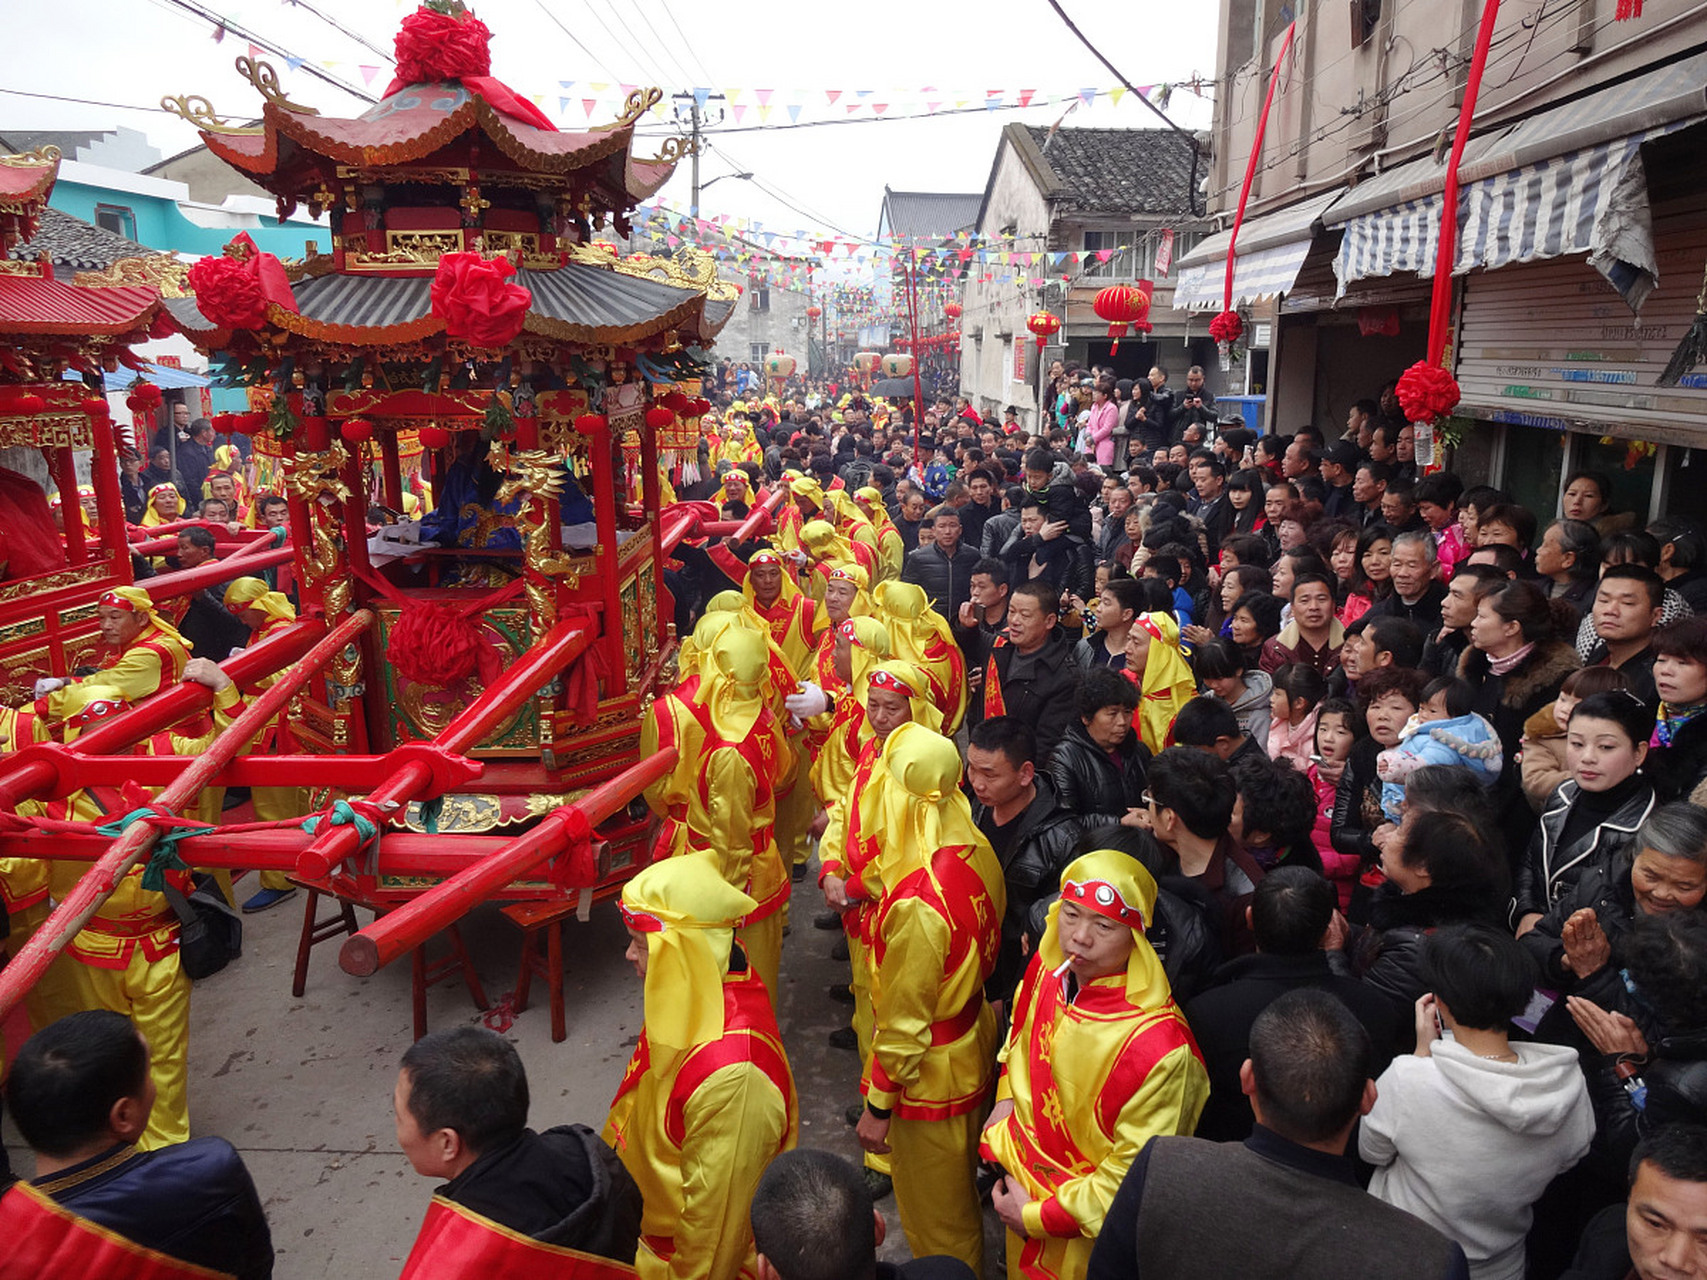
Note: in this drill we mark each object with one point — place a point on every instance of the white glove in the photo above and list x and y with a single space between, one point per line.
47 685
239 649
810 701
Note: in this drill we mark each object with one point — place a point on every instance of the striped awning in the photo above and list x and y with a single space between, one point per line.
1569 180
1271 250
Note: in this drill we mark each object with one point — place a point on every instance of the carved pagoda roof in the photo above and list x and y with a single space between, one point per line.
293 152
595 298
26 181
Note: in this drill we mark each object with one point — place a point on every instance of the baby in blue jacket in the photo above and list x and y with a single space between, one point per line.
1443 731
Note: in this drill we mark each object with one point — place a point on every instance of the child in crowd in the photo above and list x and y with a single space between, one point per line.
1221 670
1443 731
1292 713
1338 728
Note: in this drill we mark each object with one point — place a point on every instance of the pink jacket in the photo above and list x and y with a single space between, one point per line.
1341 869
1294 744
1104 416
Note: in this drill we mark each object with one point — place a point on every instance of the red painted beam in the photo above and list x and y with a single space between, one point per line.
130 848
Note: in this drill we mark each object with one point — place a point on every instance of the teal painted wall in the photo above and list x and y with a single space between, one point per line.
161 225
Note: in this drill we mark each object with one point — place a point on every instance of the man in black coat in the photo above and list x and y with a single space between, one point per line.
1291 912
1032 834
943 569
1031 673
1098 766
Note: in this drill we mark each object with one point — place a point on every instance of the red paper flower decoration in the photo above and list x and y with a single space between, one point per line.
436 46
235 289
145 397
1227 327
1427 392
475 299
433 644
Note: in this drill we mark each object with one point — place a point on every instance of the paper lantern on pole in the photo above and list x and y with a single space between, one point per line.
1044 324
953 310
779 366
897 366
866 362
1124 306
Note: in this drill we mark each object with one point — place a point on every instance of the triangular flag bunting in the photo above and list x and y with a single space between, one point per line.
793 110
1088 96
1115 95
368 73
764 96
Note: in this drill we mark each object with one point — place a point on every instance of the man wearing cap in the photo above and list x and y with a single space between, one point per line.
1098 1062
266 613
708 1099
144 655
932 944
1339 470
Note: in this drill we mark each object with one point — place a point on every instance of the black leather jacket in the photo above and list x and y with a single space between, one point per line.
947 580
1032 867
1092 785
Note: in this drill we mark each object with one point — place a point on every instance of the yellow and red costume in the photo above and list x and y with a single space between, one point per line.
852 522
796 512
152 661
708 1099
127 954
1094 1071
794 618
1166 683
743 762
272 804
933 945
922 636
44 1238
891 547
830 548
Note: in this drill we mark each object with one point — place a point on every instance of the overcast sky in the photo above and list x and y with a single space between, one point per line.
132 52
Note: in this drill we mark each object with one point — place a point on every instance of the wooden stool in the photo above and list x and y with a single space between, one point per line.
314 932
423 974
533 918
427 973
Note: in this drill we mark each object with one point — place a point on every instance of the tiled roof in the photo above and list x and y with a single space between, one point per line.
930 213
67 140
77 245
1121 170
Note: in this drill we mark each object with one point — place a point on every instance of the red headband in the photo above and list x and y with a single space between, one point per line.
1104 899
764 557
99 709
1145 622
889 680
640 921
113 600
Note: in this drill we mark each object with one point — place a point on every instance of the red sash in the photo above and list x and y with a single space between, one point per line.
454 1241
45 1239
994 704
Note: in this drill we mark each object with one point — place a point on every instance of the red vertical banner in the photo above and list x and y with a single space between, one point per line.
1165 253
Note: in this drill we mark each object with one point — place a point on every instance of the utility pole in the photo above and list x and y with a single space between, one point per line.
695 109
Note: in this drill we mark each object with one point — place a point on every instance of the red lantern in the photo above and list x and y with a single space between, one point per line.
658 417
434 437
699 408
1043 324
589 424
952 310
250 423
814 311
96 407
1124 305
354 430
675 402
30 404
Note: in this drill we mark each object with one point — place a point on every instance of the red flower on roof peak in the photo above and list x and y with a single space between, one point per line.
442 42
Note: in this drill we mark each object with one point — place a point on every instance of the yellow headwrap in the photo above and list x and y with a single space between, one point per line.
136 600
869 641
690 659
733 682
790 588
252 593
905 678
922 806
808 487
861 580
1168 683
1116 885
879 512
824 542
688 913
151 516
913 624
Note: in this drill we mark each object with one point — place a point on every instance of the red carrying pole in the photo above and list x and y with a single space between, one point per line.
33 771
560 647
98 883
1446 248
399 931
913 320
